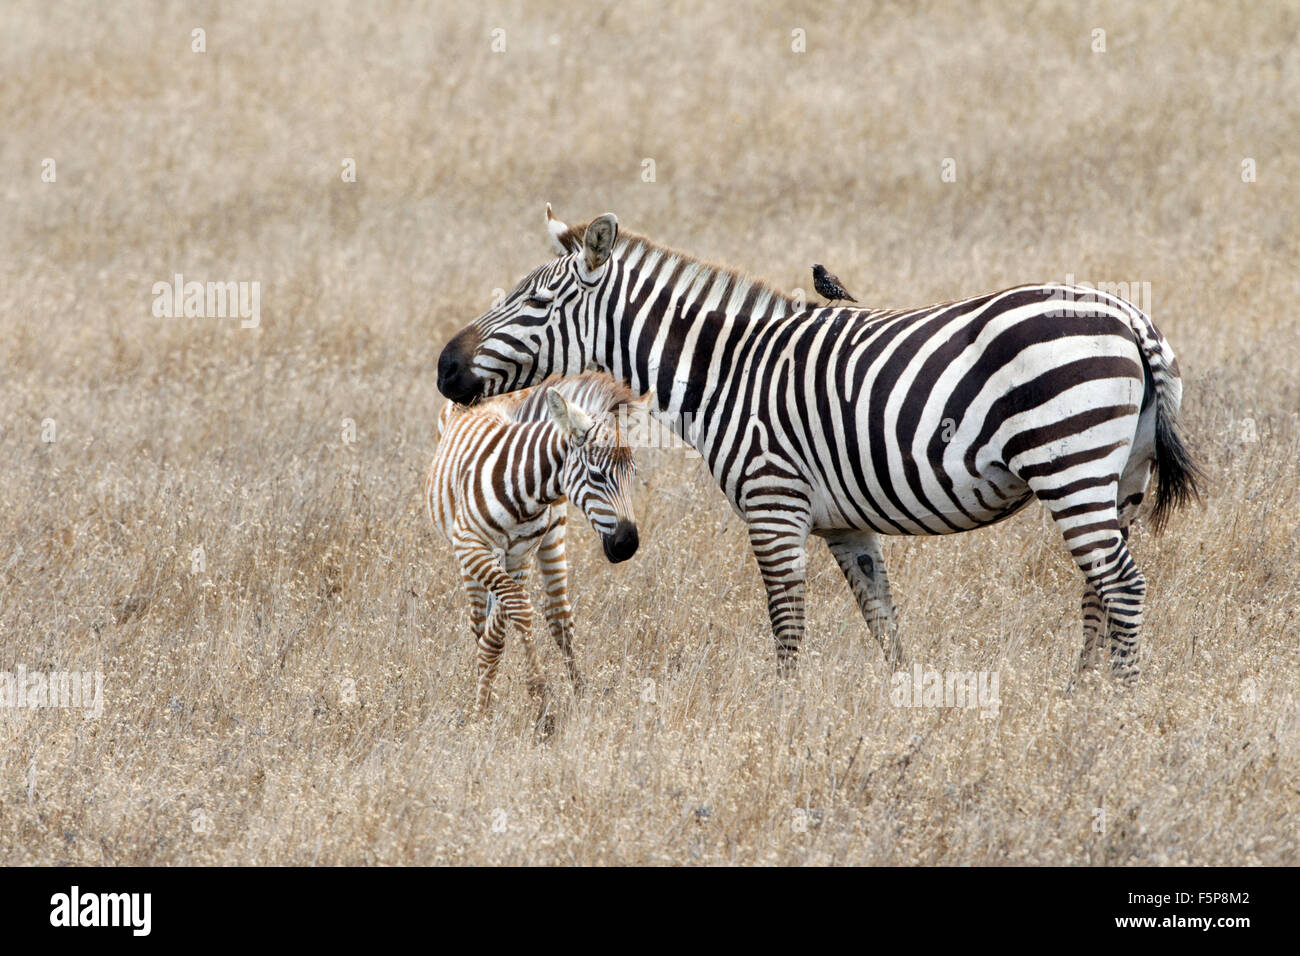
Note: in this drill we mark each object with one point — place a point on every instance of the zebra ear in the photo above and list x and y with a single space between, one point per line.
572 420
598 241
556 230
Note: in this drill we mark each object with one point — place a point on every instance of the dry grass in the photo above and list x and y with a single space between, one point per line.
227 735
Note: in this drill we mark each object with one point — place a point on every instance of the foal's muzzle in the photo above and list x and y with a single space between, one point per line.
622 543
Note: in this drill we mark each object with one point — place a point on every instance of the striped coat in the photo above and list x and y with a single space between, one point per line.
497 488
849 424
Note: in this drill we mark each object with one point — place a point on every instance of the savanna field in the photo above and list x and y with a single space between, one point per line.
228 522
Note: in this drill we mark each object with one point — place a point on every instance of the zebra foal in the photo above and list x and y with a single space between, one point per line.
497 488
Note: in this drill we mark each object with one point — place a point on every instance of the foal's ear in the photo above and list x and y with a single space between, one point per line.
556 230
572 420
598 241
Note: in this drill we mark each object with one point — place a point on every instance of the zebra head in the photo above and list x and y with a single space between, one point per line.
535 330
597 474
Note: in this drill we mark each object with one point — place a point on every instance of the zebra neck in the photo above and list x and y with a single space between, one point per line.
540 467
675 314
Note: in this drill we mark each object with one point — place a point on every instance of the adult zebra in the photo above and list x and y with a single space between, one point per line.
852 423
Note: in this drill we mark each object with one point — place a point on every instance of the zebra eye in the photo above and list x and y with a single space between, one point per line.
537 302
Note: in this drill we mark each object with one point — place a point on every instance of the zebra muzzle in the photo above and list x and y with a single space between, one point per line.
456 378
622 544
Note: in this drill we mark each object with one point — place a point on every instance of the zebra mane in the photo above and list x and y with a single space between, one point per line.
738 283
596 393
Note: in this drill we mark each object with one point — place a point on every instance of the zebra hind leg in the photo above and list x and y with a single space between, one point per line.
859 555
1094 629
1093 534
490 646
1123 643
488 624
482 571
1123 589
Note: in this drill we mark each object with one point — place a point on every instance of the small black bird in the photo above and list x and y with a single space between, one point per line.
828 285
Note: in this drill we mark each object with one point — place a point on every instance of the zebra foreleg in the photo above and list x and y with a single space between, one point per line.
778 546
860 557
536 677
559 615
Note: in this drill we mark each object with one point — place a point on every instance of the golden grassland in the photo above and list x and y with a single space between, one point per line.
305 697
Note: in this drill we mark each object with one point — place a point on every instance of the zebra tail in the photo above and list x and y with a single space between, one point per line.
1178 477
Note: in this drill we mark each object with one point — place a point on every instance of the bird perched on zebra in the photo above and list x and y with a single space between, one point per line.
921 421
828 285
497 488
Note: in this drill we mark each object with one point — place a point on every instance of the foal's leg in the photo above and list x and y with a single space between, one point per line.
488 624
536 678
482 571
555 581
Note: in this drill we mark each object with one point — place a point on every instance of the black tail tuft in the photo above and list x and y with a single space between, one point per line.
1178 479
